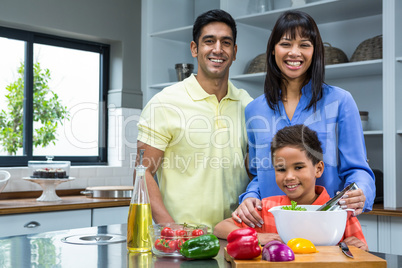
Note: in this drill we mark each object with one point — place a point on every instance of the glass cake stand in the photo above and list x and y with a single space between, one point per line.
49 187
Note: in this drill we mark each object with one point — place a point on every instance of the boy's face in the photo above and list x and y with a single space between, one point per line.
296 175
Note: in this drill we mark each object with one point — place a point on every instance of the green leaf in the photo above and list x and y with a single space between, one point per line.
293 206
47 115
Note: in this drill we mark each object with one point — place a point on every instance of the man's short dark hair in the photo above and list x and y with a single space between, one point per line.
214 15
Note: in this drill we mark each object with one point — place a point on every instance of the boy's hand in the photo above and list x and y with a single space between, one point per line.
266 237
246 212
354 241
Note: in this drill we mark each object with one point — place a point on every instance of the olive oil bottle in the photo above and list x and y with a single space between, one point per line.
139 215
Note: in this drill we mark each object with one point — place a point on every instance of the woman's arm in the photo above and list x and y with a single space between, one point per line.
353 166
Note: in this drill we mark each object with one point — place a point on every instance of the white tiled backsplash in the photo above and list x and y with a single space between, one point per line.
122 137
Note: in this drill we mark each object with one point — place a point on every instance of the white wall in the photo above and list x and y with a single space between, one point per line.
115 22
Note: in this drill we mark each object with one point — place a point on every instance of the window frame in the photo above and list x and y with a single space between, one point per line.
30 38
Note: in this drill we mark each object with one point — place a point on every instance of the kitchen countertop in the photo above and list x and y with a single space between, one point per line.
25 202
48 250
379 210
29 251
16 204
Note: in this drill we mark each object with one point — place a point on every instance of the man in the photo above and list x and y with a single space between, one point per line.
194 134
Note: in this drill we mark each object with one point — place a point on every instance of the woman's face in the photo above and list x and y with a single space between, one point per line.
293 56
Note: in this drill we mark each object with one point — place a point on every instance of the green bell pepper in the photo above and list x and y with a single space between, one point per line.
201 247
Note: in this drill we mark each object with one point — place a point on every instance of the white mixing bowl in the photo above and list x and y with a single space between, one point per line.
322 228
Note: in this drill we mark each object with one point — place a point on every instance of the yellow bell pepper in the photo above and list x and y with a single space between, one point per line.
301 245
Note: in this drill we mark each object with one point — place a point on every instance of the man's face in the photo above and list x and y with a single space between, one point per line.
215 52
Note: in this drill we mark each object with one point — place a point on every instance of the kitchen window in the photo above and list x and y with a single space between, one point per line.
53 93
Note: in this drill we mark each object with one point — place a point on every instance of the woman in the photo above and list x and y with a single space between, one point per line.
295 93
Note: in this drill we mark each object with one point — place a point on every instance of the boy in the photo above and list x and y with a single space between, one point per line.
296 154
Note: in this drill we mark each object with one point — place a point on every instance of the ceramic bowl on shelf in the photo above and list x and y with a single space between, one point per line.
49 169
364 118
167 238
322 228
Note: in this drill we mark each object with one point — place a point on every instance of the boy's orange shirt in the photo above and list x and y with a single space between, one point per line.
353 227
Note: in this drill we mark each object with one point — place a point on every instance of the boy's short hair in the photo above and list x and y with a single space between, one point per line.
298 136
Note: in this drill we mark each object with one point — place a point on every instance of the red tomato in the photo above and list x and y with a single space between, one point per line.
179 243
169 246
197 232
167 231
173 244
181 233
159 244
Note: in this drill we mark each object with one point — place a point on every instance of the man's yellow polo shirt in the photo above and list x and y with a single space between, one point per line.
204 143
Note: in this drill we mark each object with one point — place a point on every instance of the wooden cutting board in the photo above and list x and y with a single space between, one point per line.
327 257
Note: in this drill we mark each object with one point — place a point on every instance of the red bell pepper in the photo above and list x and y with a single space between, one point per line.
243 244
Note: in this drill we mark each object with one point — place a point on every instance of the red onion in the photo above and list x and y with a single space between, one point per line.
277 252
272 242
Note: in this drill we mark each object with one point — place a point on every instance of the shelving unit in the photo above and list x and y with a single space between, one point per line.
338 12
336 71
374 84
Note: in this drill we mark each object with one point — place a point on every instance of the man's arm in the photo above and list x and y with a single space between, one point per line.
152 159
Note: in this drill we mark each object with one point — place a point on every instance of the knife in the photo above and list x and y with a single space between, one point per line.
345 249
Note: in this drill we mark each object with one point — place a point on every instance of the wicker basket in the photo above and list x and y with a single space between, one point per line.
258 64
369 49
333 55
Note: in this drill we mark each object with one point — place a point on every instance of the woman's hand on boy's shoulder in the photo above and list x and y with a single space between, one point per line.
246 212
354 241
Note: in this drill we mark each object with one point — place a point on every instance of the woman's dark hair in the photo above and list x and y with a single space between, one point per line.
214 15
292 23
301 137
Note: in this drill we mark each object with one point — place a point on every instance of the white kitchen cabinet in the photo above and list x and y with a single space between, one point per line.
396 235
370 230
382 233
376 85
31 223
106 216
